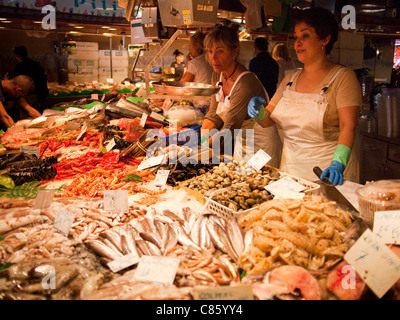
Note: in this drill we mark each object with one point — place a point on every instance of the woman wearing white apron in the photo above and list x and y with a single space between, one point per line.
228 108
316 107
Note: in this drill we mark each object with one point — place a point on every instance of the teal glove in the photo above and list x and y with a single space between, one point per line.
204 140
256 108
339 162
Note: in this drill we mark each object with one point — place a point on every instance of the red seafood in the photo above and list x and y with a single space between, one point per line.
297 279
345 283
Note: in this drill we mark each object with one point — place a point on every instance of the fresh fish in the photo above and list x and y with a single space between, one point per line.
220 239
143 247
183 237
153 238
154 250
113 237
109 244
102 249
236 235
124 109
205 238
195 230
173 216
172 239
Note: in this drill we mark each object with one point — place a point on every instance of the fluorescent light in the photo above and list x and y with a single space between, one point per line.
6 21
78 27
112 29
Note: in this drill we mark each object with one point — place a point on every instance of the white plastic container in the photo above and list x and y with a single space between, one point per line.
382 195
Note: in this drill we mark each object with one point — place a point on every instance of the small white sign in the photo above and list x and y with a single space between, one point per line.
94 96
123 262
151 162
143 120
161 178
64 221
157 116
259 160
44 198
387 226
83 131
284 186
110 145
374 262
116 201
289 195
157 269
30 150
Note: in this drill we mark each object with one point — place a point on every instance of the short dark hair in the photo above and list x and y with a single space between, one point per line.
21 51
261 44
322 20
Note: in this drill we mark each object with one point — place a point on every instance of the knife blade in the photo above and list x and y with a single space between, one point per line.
332 193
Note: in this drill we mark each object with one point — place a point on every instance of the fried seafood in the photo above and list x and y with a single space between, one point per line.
309 233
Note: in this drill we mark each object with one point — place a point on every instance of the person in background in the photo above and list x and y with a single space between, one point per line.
199 69
178 67
15 89
228 108
27 66
264 66
317 107
281 55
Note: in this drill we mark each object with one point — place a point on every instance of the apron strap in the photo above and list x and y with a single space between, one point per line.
288 85
323 90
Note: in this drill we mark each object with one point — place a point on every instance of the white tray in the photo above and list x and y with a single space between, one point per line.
218 209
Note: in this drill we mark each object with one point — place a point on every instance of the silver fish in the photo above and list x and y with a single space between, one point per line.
143 247
113 237
153 238
183 237
102 249
236 235
195 230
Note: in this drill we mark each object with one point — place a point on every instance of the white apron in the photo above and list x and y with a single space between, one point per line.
241 150
301 115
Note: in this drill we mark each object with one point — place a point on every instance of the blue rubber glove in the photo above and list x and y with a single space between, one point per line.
256 108
335 173
204 140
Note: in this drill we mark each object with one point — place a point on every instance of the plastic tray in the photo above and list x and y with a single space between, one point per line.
218 209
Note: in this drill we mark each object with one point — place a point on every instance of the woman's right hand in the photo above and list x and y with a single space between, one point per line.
256 108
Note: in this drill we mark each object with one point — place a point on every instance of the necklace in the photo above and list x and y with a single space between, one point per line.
225 77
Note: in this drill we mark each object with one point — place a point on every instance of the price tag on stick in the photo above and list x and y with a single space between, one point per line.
116 200
64 221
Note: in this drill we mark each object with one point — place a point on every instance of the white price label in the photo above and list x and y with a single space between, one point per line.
151 162
259 160
110 145
244 292
156 269
94 96
374 262
44 198
123 262
284 186
83 131
387 226
157 116
143 120
116 200
30 150
64 221
161 178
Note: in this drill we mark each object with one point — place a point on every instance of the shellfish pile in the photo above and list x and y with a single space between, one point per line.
225 175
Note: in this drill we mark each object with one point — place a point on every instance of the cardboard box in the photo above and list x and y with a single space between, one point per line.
79 63
119 63
116 54
87 46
